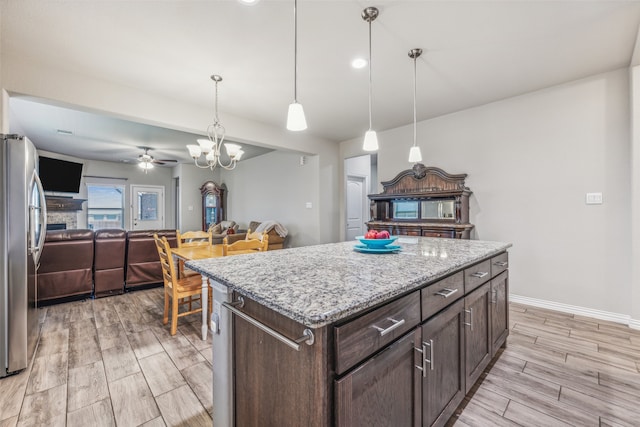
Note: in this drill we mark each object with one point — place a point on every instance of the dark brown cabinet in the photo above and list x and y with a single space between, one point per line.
409 361
477 334
423 201
499 311
443 379
383 391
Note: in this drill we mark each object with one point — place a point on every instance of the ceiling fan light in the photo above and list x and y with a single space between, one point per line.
295 118
370 141
232 149
194 150
415 155
206 145
145 165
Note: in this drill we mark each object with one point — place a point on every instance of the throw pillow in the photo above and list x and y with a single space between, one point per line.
216 229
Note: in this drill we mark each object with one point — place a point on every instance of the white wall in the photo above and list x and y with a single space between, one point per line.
121 174
530 160
635 190
191 179
276 187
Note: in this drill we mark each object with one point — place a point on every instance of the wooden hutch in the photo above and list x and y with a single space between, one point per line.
423 201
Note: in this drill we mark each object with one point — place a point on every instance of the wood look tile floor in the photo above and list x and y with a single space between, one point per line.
111 362
558 370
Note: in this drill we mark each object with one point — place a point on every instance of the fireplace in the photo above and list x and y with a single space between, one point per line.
58 226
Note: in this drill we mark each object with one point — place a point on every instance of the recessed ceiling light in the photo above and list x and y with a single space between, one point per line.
64 132
249 2
359 63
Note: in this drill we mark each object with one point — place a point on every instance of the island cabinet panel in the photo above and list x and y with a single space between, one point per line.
385 390
443 381
499 311
477 334
276 385
361 337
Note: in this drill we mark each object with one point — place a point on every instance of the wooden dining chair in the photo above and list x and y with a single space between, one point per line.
179 291
246 246
189 239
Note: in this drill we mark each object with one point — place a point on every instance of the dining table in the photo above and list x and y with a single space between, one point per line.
192 253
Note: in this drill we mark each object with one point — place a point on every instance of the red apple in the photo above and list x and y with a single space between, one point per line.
371 234
384 234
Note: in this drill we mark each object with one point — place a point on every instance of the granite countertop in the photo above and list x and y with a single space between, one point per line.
319 285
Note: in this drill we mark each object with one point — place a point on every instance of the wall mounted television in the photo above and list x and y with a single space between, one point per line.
59 175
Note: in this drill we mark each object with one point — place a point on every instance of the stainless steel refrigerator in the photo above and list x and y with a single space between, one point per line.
22 229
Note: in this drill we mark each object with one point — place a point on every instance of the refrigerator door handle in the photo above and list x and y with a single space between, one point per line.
42 221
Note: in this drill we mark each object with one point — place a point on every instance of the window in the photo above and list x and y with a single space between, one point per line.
105 206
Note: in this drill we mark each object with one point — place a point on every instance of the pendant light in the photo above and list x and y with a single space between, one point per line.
370 137
415 155
295 118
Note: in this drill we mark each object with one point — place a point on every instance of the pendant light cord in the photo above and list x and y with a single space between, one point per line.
215 104
370 124
414 101
295 51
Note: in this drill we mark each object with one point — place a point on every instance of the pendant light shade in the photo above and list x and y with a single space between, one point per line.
415 155
370 137
295 117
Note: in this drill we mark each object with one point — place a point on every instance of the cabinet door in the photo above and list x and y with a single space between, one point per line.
443 382
477 333
499 311
384 390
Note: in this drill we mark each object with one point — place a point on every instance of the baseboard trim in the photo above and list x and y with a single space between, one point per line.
581 311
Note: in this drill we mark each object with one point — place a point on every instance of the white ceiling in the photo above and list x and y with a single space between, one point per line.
475 52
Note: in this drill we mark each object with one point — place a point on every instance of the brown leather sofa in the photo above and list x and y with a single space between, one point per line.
66 265
109 262
143 263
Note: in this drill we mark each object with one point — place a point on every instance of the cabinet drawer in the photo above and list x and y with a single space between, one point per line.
439 295
362 336
499 264
439 233
476 275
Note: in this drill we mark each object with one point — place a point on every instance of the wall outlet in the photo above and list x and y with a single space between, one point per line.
594 198
308 205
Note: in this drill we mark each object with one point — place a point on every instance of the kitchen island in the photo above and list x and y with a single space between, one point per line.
324 335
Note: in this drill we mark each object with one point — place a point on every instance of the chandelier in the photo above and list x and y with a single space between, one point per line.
210 147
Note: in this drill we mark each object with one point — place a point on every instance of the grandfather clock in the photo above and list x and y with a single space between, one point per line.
214 198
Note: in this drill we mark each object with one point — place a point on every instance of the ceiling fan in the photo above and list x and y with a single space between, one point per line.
146 160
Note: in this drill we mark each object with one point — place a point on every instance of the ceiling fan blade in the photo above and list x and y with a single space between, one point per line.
167 160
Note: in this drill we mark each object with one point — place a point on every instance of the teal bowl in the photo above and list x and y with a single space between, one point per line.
377 243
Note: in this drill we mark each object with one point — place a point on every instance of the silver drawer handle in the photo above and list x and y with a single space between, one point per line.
430 360
501 263
480 274
422 351
470 324
307 335
446 292
396 324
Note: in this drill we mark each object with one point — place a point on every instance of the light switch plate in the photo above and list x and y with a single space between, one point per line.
309 205
594 198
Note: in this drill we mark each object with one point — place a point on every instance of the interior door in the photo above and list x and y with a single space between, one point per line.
147 207
356 206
